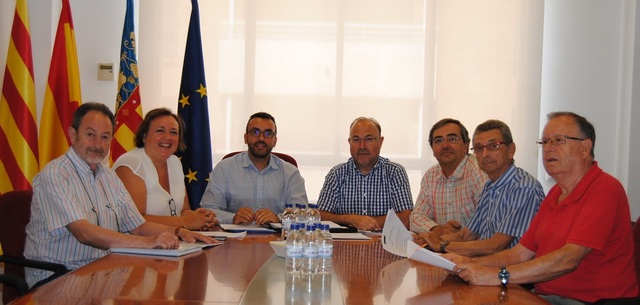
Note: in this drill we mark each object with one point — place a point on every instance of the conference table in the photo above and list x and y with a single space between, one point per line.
247 271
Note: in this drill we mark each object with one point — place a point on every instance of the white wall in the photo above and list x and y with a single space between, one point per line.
588 56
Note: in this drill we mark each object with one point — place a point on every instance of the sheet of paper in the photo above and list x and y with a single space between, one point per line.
420 254
398 240
246 228
349 236
238 235
395 235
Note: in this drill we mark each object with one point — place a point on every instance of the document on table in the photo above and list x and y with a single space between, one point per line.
349 236
238 235
398 240
184 249
251 228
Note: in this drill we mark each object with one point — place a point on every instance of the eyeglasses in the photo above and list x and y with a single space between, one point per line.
557 140
255 132
108 207
366 140
490 147
440 140
172 206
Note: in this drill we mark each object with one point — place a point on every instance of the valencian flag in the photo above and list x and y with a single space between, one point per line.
18 128
63 95
194 109
128 106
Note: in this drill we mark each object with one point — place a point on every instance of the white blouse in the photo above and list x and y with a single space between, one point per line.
157 198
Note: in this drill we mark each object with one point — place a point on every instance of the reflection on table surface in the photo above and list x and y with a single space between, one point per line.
242 270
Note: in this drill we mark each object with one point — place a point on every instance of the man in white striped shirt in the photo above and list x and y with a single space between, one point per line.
507 204
80 209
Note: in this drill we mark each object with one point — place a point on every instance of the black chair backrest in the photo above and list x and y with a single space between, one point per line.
15 212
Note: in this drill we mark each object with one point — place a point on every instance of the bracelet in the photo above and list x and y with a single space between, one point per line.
178 230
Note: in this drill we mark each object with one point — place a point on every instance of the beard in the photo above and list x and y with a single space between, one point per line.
94 155
260 153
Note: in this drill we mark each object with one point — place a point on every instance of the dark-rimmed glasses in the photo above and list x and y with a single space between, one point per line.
557 140
172 207
490 147
366 140
255 132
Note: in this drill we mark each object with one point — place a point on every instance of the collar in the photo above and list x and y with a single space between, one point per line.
379 163
586 181
458 174
504 179
81 165
246 162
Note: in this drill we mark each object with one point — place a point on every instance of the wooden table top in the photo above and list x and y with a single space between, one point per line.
247 271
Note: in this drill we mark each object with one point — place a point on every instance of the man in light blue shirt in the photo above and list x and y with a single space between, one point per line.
507 204
253 186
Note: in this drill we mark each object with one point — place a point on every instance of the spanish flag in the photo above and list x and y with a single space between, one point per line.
18 129
128 106
63 95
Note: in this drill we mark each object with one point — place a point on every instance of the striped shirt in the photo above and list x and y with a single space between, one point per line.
507 205
347 191
66 190
454 198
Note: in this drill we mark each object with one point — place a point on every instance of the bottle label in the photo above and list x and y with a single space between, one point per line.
294 251
325 251
311 252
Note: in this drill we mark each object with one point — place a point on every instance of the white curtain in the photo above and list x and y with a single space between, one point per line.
318 64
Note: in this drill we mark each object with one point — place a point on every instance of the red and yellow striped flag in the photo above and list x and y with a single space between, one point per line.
128 105
18 129
63 95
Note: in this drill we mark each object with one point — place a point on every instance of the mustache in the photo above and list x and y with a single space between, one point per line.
363 151
95 150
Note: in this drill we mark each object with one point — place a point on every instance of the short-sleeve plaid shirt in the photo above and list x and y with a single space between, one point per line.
454 198
347 191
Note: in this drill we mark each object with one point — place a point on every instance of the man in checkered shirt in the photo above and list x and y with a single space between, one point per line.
359 192
449 190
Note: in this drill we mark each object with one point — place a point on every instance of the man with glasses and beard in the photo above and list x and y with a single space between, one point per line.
360 192
80 209
508 202
252 186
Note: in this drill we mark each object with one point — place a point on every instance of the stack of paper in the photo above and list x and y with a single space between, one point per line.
184 249
398 240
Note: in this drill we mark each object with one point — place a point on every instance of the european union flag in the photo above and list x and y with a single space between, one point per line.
194 109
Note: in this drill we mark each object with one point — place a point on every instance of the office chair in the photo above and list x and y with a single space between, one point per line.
15 212
282 156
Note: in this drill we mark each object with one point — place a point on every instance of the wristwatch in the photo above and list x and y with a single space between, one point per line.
503 275
443 245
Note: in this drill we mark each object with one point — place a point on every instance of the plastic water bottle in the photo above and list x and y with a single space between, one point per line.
313 214
310 256
287 219
294 250
301 213
325 251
